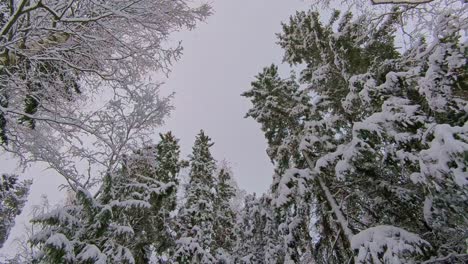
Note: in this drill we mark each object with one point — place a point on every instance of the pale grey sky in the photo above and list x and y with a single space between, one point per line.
221 58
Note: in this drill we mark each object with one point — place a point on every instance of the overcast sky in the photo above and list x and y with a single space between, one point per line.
221 58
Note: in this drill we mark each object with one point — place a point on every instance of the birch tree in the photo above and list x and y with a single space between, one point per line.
75 95
73 74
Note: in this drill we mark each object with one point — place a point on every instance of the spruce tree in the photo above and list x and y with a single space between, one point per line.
259 238
224 225
196 217
281 107
89 230
127 222
150 174
246 248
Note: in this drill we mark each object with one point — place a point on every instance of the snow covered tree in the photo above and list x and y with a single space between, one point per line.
385 136
245 246
291 198
224 224
53 66
127 223
331 58
279 106
151 175
196 217
88 230
52 52
259 238
169 165
58 57
13 196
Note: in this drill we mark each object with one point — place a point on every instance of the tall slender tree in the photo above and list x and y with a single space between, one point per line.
151 174
196 217
224 225
383 139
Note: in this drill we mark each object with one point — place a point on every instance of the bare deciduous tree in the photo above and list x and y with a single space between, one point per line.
73 86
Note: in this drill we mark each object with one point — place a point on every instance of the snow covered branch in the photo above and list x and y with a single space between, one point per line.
409 2
73 78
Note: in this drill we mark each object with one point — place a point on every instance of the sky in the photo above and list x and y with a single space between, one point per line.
221 57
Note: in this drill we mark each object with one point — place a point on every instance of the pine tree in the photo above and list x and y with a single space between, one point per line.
13 194
197 214
384 139
281 107
278 105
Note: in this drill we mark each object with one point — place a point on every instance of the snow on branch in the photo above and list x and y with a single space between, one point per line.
74 87
410 2
387 244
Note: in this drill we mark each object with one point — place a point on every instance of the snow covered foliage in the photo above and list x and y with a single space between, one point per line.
129 219
196 217
133 217
74 90
290 193
281 107
224 225
75 94
259 240
278 105
87 230
387 244
55 52
384 134
13 196
150 175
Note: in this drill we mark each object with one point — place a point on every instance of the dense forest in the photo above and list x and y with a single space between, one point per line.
368 135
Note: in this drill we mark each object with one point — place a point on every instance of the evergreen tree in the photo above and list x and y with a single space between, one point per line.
246 249
151 175
291 200
245 225
224 225
384 139
86 230
279 106
259 238
13 194
196 217
127 222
